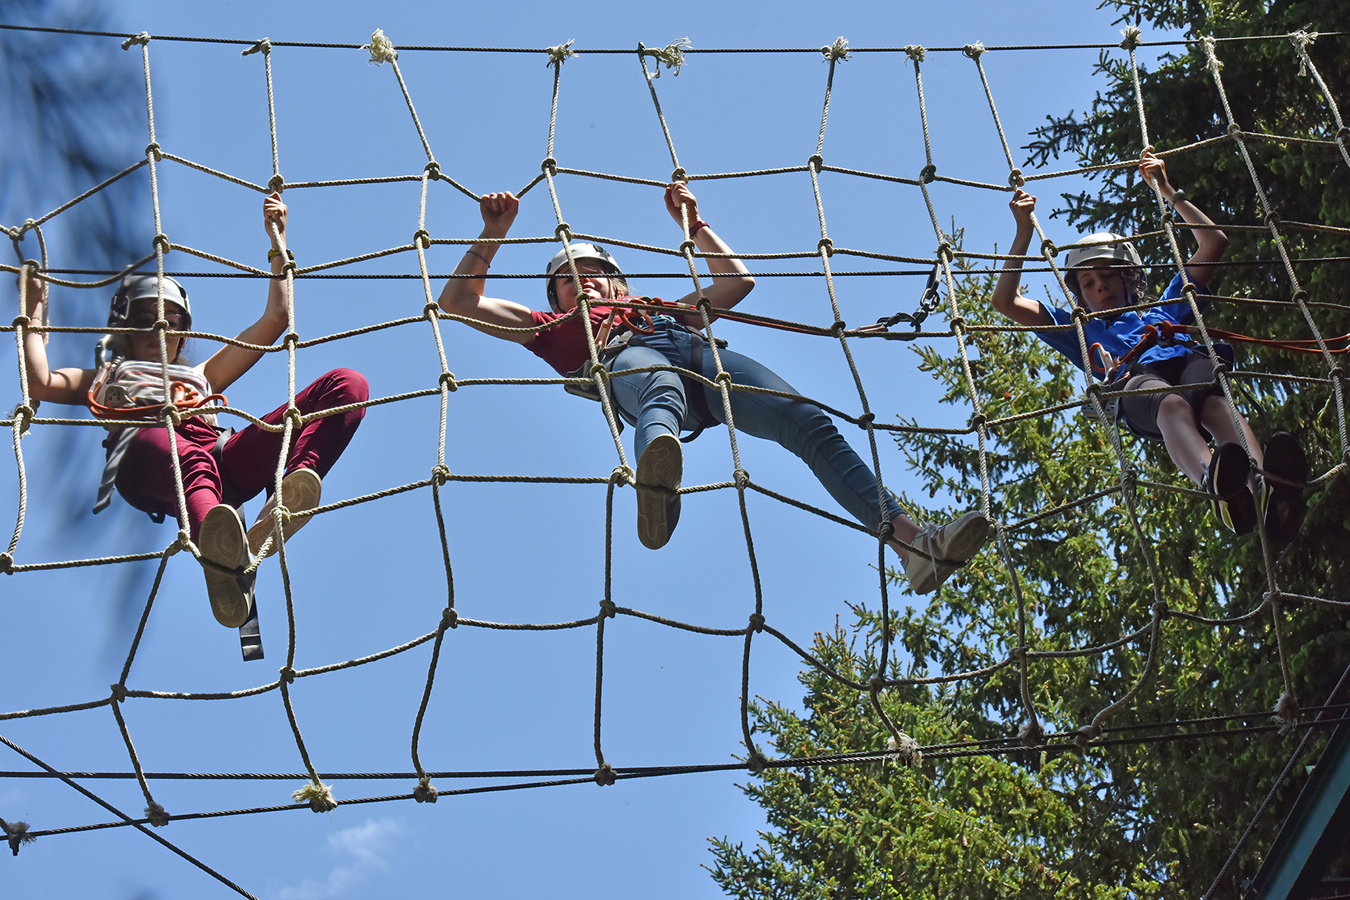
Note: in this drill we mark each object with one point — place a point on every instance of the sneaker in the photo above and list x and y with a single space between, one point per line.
658 484
222 542
300 490
1226 482
941 550
1286 505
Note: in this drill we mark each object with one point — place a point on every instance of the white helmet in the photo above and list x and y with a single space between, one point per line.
146 287
580 250
1100 246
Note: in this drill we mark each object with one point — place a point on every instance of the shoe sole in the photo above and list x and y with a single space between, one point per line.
658 477
300 492
1284 458
1230 471
222 542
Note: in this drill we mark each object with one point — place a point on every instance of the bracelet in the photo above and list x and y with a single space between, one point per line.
694 229
274 253
485 260
1177 197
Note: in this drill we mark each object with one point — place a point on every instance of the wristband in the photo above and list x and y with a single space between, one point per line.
694 229
274 253
1177 197
485 260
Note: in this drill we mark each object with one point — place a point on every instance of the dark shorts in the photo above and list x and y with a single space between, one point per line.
1141 412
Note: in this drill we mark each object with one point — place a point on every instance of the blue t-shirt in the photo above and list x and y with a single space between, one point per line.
1119 335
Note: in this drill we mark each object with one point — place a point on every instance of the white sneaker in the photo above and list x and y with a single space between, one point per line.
658 485
300 492
941 550
222 541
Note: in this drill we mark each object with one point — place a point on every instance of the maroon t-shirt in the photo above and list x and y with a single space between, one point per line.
564 346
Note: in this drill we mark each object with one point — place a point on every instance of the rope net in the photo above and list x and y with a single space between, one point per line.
959 342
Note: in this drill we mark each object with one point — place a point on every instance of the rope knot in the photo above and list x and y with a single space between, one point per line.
756 622
119 692
974 51
421 238
958 323
979 420
1132 35
263 46
440 473
1031 733
1079 315
1048 249
688 246
142 38
886 531
815 162
1343 132
294 416
450 617
319 796
1286 712
172 414
916 52
549 165
679 175
24 413
1015 178
162 241
838 328
424 792
1300 296
1213 63
866 419
156 814
622 475
276 183
558 55
903 749
927 174
1302 40
1086 735
604 776
838 51
287 674
17 833
756 762
153 149
381 48
563 232
1161 610
7 563
607 609
671 54
827 245
432 170
448 379
741 478
1018 653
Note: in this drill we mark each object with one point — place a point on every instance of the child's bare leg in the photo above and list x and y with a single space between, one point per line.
1217 417
1185 444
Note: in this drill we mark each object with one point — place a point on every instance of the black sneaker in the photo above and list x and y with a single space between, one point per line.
1285 473
1226 482
658 490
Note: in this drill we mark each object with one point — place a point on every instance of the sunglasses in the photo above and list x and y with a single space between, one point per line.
146 320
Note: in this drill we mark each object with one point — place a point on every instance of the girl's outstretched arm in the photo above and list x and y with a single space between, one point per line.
464 296
1212 242
229 362
70 386
1007 297
731 279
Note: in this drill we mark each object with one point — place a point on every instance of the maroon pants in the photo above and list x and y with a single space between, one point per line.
249 459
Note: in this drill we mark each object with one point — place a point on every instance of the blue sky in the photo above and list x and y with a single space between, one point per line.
370 577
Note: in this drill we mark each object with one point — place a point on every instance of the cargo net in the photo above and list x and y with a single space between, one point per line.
958 338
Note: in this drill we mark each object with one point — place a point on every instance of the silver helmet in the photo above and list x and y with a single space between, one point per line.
143 287
580 250
1103 248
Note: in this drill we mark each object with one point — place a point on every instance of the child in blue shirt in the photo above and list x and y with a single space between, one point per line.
1106 273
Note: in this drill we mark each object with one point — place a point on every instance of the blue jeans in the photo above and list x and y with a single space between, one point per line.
656 403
